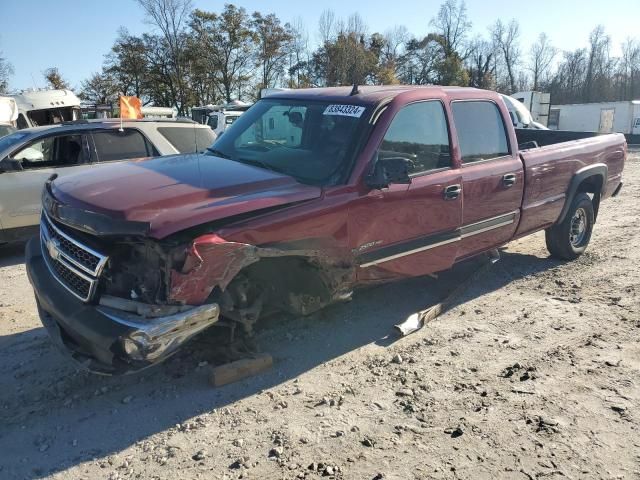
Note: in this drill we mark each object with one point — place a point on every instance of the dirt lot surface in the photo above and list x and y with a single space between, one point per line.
533 374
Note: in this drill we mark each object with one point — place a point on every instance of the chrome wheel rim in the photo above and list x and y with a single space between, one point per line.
578 227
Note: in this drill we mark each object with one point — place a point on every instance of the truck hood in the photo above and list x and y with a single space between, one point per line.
176 192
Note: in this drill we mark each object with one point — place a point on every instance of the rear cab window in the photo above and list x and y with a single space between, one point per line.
419 133
482 134
113 145
188 139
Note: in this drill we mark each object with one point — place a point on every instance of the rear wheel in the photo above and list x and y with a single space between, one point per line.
569 239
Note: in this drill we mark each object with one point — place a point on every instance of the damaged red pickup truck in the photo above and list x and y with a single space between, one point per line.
310 194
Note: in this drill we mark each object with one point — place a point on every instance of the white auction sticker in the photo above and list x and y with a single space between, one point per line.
344 110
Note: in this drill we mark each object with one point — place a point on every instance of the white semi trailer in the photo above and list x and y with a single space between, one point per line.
606 117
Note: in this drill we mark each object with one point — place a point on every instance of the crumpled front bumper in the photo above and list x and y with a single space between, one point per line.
107 340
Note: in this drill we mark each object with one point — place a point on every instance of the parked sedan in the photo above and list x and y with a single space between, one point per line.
29 157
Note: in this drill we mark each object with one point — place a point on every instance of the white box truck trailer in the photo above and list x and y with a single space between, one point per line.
606 117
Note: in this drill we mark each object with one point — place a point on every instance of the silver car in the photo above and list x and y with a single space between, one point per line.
29 157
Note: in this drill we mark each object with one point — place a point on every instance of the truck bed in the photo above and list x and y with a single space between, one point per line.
549 137
550 167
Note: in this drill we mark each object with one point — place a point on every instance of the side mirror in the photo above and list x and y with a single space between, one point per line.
389 170
10 165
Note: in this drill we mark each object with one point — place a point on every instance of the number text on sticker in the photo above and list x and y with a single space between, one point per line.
344 110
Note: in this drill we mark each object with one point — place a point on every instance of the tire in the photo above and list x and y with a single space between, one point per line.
568 239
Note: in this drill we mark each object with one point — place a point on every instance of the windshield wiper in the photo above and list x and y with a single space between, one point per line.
257 163
219 153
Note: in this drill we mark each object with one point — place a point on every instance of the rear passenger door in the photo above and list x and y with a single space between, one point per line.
21 190
115 145
407 230
492 176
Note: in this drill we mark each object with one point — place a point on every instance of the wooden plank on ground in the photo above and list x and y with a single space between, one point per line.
240 369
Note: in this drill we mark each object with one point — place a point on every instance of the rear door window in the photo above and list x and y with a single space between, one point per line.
188 139
420 134
55 151
481 131
116 145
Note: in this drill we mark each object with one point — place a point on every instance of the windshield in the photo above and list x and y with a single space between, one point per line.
313 142
12 140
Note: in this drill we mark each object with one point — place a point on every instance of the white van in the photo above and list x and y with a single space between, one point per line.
37 108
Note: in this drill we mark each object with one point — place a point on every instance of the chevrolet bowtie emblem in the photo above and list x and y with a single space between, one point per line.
53 247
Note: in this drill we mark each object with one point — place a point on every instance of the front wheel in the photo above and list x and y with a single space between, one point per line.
568 239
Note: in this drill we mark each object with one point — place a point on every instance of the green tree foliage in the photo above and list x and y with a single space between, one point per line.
54 78
100 88
194 57
128 64
227 45
274 42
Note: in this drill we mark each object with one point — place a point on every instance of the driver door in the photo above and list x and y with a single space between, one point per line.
21 190
410 230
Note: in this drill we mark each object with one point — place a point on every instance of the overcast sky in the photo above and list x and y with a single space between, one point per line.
74 35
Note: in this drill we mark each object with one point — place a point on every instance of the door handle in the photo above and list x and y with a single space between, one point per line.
452 192
509 180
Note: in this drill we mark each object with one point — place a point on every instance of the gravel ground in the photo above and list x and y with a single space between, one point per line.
533 374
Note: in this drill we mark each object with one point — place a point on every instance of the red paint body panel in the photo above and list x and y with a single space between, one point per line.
549 170
180 191
210 261
343 222
405 212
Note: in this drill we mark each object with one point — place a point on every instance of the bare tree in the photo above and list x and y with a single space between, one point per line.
568 81
299 55
480 62
54 78
355 25
171 17
506 42
629 69
598 62
541 55
6 70
453 25
395 40
327 26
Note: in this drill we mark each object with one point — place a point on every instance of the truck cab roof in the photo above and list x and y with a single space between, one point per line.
374 94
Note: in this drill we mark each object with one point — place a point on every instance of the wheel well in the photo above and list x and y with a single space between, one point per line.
592 185
294 284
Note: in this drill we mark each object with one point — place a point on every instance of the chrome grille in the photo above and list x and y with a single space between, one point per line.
76 266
